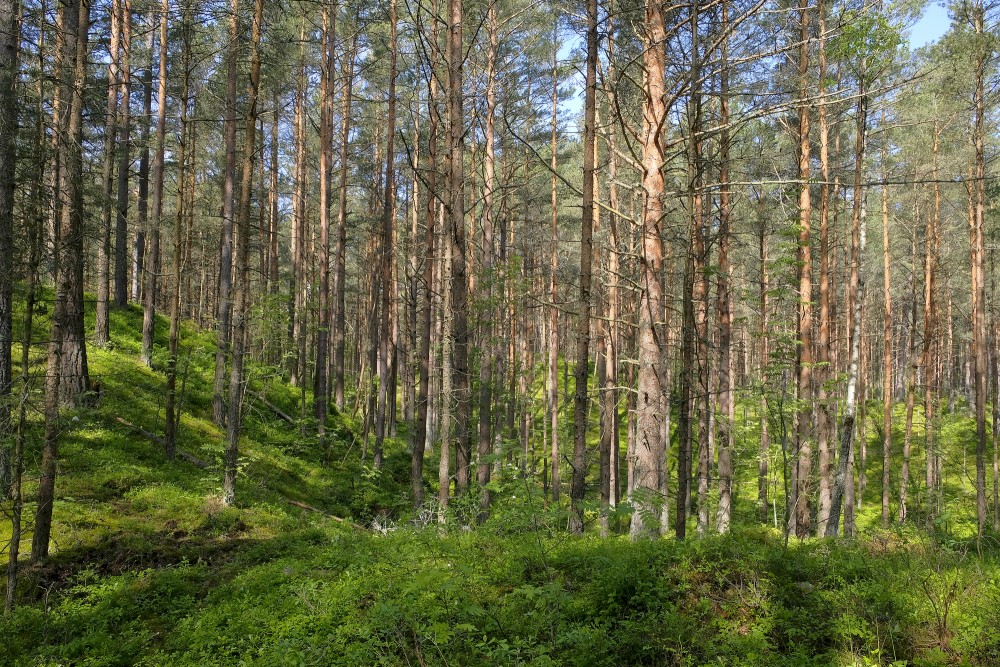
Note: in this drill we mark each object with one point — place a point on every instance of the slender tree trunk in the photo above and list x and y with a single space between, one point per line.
225 312
700 397
459 279
325 187
553 333
297 343
763 461
823 356
139 252
153 274
855 296
609 392
9 39
273 216
853 495
263 241
978 275
804 360
124 158
684 447
34 223
490 348
666 382
237 379
911 380
412 287
727 408
447 375
340 275
425 357
395 346
188 299
67 314
586 273
649 446
995 330
101 322
387 259
52 177
170 410
930 330
886 357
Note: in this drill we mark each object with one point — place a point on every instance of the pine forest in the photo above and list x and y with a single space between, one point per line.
500 332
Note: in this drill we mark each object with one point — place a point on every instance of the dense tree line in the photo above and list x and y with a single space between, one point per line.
429 215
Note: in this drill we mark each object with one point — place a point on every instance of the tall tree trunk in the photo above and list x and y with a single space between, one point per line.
67 349
9 38
684 426
273 216
340 276
553 332
931 235
52 177
153 274
586 273
978 275
223 321
325 187
124 157
609 392
34 222
237 379
263 240
649 446
913 363
409 352
297 343
395 347
459 279
853 493
386 348
139 251
855 296
886 355
170 403
763 461
823 356
490 348
702 399
727 408
425 356
995 389
447 374
188 299
804 361
101 321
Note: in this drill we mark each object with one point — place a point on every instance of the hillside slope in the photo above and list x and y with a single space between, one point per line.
318 563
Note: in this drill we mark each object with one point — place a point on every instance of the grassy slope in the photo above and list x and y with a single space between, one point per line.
149 568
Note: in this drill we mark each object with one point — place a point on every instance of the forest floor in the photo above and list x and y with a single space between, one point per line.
322 562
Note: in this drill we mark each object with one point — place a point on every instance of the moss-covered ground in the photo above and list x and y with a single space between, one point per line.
321 562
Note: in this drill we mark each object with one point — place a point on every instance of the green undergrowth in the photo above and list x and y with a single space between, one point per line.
121 505
321 562
333 595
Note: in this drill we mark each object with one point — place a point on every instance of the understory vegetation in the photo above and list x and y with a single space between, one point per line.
505 332
322 561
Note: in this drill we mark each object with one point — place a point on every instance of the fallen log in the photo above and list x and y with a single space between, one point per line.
325 514
274 408
190 458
